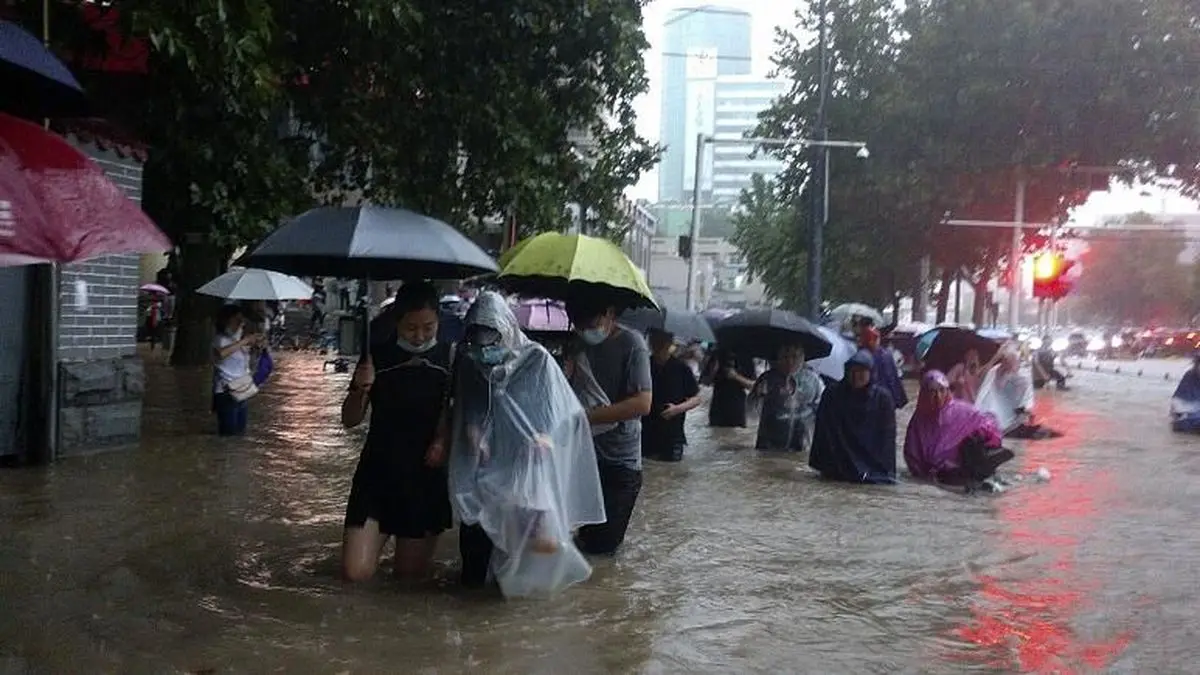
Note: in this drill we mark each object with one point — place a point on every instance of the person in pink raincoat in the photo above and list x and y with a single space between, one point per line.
949 440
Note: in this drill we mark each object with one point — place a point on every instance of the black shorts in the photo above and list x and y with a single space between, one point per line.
409 505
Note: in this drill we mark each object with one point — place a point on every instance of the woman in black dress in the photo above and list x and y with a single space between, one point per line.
400 486
731 376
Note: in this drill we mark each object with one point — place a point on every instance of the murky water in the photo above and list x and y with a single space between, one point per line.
192 554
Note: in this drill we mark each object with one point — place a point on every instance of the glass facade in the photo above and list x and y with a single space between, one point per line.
723 32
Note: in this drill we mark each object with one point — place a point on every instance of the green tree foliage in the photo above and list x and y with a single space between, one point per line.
1137 279
256 110
953 98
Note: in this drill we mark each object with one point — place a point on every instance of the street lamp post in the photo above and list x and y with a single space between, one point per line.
702 140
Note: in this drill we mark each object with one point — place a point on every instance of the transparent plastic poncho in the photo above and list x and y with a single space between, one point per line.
522 465
1004 394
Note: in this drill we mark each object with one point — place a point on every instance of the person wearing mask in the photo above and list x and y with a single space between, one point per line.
613 362
789 394
731 376
883 372
400 485
522 466
233 383
675 392
1043 366
855 435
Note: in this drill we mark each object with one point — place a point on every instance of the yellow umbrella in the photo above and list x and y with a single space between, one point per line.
564 266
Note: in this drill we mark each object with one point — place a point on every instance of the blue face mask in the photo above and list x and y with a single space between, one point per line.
490 355
593 336
416 349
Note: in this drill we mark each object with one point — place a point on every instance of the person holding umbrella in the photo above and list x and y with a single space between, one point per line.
883 372
675 392
400 486
619 361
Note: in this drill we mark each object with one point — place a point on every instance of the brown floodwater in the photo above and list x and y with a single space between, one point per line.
198 554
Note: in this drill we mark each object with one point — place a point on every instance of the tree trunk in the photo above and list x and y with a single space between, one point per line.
943 295
979 311
198 262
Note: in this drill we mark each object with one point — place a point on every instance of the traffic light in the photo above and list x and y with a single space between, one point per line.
1050 280
685 247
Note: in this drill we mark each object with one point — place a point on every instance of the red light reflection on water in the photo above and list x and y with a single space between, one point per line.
1027 622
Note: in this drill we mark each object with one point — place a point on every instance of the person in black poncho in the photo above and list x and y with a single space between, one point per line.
855 438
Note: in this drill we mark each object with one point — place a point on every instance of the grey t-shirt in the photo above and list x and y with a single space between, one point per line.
621 366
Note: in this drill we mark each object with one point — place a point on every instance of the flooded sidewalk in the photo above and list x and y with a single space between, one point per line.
198 554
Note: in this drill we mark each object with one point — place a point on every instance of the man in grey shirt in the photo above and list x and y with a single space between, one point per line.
619 360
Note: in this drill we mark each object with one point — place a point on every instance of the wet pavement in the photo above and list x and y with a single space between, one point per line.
195 554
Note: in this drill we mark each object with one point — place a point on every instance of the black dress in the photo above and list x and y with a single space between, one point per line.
728 405
392 485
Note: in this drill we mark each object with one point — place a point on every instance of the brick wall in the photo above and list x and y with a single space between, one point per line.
106 327
100 375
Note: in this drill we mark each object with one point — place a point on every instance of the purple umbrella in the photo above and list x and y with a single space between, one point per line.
543 316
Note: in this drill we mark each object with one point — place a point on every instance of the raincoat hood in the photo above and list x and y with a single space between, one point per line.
491 310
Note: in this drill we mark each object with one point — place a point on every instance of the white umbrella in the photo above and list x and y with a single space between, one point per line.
834 365
256 284
839 314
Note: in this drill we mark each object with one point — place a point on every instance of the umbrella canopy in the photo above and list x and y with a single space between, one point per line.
60 205
685 326
833 366
943 348
35 83
542 316
369 242
842 312
154 288
714 317
761 333
255 284
571 266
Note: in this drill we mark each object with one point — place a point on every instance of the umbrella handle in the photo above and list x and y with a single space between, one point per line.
365 351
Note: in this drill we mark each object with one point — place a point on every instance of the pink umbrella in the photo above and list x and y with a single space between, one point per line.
543 316
56 204
154 288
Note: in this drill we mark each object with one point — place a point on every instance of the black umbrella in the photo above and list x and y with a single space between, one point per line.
685 326
948 347
763 332
35 83
370 242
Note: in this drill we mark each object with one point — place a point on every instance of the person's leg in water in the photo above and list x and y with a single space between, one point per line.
241 417
475 547
228 417
414 557
361 546
620 487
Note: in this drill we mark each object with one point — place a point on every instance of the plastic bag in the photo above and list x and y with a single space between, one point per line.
522 465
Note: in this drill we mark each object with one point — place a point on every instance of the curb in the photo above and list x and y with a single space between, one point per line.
1131 371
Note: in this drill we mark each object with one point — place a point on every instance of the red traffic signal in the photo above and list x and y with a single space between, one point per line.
1050 276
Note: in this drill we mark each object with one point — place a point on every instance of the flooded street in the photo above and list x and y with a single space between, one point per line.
193 554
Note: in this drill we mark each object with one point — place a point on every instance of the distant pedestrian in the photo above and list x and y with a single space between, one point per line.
233 383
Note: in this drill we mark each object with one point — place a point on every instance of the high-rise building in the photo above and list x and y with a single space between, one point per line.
737 102
703 41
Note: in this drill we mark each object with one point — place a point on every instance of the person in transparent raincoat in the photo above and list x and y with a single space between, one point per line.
523 472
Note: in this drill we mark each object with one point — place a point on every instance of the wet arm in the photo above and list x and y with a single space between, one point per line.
354 408
630 408
222 353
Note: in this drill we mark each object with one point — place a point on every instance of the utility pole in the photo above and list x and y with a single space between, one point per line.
819 207
694 231
1014 254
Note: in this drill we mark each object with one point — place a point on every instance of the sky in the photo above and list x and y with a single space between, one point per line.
768 14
